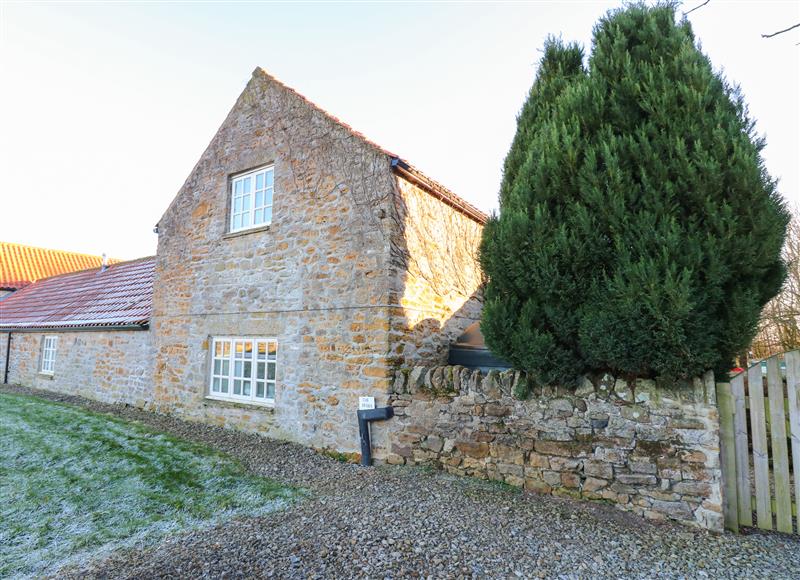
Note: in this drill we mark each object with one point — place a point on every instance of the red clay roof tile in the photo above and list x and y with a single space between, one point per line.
120 295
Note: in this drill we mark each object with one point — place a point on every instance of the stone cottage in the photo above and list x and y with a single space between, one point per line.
297 268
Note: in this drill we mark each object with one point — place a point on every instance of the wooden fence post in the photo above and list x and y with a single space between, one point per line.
758 421
780 450
742 451
730 503
793 388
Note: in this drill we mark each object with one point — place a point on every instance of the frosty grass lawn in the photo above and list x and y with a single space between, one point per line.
76 484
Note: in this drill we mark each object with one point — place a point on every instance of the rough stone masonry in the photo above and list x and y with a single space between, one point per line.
652 450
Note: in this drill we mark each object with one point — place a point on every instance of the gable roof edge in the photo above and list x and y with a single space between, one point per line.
399 165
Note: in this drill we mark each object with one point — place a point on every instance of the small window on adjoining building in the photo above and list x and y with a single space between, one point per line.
251 199
49 344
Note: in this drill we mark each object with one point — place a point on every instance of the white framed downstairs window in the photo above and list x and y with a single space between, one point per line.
49 346
251 199
243 370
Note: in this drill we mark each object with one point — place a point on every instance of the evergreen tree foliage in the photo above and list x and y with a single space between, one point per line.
639 232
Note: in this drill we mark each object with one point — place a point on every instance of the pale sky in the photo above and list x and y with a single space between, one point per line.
106 107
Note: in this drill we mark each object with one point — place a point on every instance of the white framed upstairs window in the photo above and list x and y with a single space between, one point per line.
49 346
251 199
243 370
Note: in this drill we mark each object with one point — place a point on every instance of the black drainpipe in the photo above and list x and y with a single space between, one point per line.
8 356
365 417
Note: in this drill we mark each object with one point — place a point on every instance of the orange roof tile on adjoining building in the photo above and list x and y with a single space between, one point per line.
21 265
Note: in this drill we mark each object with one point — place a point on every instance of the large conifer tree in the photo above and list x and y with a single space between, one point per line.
639 232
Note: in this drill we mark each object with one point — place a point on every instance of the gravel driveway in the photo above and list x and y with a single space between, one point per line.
394 522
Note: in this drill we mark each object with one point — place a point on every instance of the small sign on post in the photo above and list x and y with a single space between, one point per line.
366 403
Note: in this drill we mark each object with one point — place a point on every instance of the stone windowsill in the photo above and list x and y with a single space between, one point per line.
46 376
221 402
259 229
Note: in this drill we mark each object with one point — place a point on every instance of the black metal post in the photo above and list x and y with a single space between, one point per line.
365 417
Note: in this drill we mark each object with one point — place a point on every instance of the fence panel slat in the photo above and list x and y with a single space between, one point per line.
793 388
780 450
742 451
758 422
727 449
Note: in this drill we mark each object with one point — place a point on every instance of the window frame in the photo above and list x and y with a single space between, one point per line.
229 378
47 365
268 187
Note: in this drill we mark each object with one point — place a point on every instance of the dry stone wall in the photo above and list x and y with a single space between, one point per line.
652 451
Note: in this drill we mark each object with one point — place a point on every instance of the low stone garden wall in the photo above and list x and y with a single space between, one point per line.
651 450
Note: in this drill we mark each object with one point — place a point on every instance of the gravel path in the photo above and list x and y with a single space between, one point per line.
394 522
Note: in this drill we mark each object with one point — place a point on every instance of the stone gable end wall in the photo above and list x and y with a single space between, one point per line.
318 278
652 451
113 366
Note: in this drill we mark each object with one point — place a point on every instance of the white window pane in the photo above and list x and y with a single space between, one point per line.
246 203
267 215
259 199
260 181
237 205
242 368
246 182
237 222
258 217
237 187
245 220
269 177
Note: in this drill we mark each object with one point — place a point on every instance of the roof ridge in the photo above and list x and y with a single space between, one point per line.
115 265
40 248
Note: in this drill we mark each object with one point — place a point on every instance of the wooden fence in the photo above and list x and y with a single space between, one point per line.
761 479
